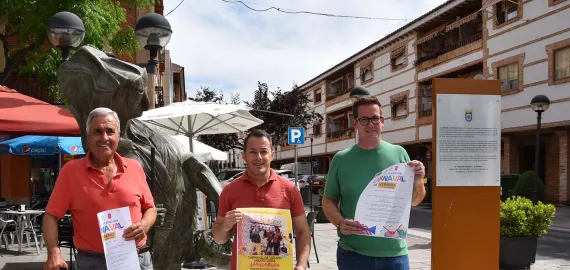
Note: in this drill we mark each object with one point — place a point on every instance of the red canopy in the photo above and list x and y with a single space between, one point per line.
24 115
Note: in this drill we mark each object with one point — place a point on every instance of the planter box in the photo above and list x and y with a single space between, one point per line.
517 252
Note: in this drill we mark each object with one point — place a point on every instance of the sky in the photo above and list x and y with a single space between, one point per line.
230 48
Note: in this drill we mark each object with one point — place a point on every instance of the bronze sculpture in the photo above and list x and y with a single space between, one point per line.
91 79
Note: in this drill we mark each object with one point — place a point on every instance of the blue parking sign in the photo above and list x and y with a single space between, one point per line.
296 135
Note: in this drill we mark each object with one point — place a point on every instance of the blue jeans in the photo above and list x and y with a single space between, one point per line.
349 260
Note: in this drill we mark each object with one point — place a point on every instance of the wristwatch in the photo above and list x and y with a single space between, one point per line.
338 225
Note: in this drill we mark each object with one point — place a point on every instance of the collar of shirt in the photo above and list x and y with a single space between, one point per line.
121 164
272 177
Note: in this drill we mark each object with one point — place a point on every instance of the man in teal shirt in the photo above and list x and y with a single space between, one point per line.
350 172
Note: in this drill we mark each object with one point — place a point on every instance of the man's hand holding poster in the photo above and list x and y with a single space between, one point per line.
264 239
383 208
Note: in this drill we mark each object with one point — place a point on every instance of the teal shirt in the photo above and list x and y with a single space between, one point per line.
350 172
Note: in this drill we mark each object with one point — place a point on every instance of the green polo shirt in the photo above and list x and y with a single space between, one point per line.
350 172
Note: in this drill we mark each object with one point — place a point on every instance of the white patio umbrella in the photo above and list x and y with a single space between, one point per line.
202 151
193 118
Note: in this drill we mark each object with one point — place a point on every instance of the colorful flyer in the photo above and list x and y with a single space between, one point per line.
265 239
119 253
383 208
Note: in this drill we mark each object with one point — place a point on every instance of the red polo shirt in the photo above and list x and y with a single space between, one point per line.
277 192
82 189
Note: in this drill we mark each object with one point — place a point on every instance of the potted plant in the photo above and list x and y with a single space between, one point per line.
525 185
522 223
321 217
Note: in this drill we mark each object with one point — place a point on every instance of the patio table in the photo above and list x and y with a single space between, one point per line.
24 219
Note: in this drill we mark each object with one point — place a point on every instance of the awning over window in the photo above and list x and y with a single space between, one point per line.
397 53
398 99
462 21
431 35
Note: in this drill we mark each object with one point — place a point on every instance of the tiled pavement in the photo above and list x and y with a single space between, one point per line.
419 251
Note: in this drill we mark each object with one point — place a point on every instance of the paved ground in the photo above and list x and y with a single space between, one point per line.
553 250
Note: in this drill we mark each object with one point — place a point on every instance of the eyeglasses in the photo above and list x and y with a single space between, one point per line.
366 120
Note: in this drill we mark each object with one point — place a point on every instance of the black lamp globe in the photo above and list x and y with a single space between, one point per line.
540 103
66 31
153 32
357 92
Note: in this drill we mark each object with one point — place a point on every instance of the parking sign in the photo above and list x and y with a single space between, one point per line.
296 135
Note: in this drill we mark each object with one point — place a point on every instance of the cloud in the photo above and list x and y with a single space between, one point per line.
231 48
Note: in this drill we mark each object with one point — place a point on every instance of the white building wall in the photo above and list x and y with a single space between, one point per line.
539 27
529 36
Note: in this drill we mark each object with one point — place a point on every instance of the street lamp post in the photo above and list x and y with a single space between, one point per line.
311 184
153 32
66 31
539 104
357 92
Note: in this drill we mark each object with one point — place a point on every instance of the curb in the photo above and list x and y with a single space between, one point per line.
559 229
425 235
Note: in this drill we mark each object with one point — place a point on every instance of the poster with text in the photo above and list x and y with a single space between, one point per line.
468 143
383 208
265 239
120 254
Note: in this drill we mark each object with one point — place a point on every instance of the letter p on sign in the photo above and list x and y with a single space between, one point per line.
296 135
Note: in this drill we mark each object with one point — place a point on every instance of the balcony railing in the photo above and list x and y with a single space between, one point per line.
30 86
337 93
348 132
424 110
449 48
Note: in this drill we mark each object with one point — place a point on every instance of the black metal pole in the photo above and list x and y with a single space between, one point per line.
152 188
536 156
310 183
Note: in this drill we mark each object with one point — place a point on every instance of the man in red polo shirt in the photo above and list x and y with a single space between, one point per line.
260 186
101 181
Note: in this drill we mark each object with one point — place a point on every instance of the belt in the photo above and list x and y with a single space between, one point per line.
87 253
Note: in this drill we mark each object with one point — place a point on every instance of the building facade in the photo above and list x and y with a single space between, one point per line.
524 44
165 83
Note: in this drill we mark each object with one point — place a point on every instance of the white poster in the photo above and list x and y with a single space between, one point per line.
468 140
119 253
383 208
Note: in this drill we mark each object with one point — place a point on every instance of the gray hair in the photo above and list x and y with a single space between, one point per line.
101 112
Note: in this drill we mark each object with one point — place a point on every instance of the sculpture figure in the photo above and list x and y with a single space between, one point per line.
91 79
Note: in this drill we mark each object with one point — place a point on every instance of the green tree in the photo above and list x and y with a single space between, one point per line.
266 105
294 102
106 29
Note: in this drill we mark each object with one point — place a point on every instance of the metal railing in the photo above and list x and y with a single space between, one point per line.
337 94
340 133
424 110
449 48
31 86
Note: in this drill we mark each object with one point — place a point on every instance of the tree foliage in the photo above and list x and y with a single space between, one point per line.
265 105
292 102
106 29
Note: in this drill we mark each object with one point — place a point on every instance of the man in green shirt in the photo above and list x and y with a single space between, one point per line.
350 172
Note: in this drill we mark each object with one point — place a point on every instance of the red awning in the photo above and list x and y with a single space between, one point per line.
24 115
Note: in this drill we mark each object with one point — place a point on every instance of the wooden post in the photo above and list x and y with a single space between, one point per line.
465 219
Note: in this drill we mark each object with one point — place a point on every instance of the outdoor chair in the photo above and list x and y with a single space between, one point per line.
65 230
7 227
37 228
211 210
311 216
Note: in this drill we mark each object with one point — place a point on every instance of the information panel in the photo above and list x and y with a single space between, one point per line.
468 140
